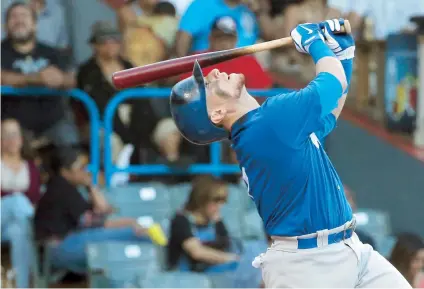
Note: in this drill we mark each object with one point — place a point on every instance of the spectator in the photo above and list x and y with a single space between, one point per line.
20 191
224 36
27 62
51 22
95 77
200 242
408 257
181 5
198 19
154 22
199 239
68 221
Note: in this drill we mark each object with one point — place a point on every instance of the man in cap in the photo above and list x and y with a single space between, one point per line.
224 36
295 187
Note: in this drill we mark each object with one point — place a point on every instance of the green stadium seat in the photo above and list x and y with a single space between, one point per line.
147 200
179 195
120 264
177 280
375 223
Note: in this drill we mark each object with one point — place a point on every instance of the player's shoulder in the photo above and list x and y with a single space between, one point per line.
284 96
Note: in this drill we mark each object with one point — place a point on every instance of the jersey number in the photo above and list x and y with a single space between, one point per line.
246 181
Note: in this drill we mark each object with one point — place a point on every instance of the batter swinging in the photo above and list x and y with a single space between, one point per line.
296 189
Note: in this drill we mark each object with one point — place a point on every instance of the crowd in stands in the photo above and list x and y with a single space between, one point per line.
45 139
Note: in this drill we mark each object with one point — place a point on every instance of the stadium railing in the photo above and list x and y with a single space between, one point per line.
89 103
215 166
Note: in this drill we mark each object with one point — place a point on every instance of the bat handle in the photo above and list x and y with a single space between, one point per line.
346 28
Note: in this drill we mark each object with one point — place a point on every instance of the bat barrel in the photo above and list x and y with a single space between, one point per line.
139 75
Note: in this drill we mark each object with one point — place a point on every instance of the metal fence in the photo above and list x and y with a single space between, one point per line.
215 166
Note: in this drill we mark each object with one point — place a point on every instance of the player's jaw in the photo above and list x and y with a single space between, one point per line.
220 84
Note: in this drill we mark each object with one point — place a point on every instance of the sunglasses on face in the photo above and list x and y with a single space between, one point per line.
219 199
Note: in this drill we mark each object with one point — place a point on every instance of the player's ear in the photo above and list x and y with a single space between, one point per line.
218 115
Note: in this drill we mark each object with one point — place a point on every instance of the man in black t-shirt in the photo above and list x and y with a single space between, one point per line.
26 62
66 219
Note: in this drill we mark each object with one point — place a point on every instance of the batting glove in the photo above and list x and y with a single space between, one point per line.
343 45
306 34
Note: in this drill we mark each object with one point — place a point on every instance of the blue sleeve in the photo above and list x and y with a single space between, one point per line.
297 114
189 22
328 124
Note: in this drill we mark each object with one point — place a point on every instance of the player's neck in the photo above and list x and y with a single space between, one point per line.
246 104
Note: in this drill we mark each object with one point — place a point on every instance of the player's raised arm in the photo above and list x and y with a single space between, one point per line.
330 82
309 110
343 46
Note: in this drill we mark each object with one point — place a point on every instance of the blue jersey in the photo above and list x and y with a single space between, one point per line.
289 176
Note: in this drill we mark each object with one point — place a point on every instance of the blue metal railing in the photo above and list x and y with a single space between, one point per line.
89 103
215 166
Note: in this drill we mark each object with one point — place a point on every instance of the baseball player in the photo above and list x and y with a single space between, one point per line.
293 183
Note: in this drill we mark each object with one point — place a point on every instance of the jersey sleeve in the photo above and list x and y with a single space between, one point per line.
189 22
328 124
297 114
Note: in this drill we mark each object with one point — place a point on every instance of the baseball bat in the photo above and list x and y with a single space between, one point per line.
139 75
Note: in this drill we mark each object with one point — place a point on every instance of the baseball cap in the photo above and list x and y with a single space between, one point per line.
225 24
102 30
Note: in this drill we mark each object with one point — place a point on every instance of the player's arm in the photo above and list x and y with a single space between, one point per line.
303 112
343 46
330 83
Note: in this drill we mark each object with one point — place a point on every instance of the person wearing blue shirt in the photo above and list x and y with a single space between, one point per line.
292 181
197 21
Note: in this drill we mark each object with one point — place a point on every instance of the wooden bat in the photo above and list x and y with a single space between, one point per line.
139 75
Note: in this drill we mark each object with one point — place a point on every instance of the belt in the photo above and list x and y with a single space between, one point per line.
320 238
332 239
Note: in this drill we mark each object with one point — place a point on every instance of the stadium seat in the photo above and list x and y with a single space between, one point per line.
177 280
179 195
42 268
373 222
385 245
238 197
149 200
120 264
233 220
253 226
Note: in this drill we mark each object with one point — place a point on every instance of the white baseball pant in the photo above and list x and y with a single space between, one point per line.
347 264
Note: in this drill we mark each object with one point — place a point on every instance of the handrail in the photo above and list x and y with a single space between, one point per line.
215 166
89 103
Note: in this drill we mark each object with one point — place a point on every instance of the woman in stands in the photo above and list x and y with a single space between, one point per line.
20 191
200 242
408 257
66 220
199 238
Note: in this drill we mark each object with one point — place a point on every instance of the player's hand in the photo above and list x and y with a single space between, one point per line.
343 45
306 34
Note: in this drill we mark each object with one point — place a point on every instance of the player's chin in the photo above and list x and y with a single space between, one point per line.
238 79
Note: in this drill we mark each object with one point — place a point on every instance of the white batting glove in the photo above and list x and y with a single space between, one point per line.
343 45
306 34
